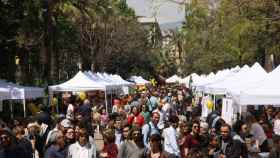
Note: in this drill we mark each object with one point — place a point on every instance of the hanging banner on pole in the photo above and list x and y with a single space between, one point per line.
228 111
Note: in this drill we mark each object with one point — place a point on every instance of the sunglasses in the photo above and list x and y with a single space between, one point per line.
195 126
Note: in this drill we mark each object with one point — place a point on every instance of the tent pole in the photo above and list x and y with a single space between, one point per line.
11 109
106 104
24 108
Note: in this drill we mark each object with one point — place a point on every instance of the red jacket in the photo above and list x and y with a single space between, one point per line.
139 120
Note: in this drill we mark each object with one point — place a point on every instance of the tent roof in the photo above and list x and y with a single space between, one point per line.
139 80
80 82
266 92
173 79
14 91
222 87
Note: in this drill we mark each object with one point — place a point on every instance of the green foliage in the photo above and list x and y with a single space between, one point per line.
234 33
52 37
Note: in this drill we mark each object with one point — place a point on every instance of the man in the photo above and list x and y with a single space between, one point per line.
83 147
169 135
162 114
150 128
275 152
9 147
229 147
118 132
22 141
258 133
55 150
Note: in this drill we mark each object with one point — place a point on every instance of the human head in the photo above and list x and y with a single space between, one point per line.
174 121
136 134
125 131
214 141
19 131
57 138
118 123
155 118
6 138
204 128
155 142
70 134
109 136
83 136
225 131
144 107
135 110
237 127
270 111
195 127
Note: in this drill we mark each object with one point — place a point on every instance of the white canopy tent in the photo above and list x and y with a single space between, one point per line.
80 82
219 77
194 77
265 92
139 80
11 91
173 79
220 88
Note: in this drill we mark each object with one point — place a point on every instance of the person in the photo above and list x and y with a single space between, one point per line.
275 152
145 113
23 142
83 147
135 118
239 139
161 123
85 110
133 148
156 150
213 147
258 133
118 132
55 146
276 127
69 137
192 140
150 128
110 149
125 132
169 135
229 148
9 147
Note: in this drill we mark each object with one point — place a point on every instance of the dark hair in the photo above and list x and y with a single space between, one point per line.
134 128
158 138
173 119
226 125
238 126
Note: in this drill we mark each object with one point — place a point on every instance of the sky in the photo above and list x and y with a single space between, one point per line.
164 10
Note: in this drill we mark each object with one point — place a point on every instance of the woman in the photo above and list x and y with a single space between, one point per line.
110 149
145 113
135 118
192 140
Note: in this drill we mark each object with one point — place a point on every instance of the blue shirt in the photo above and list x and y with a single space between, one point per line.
147 131
53 152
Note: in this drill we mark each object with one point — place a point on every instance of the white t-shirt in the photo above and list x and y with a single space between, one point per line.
276 128
70 112
258 133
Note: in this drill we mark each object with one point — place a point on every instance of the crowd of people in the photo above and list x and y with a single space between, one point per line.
161 122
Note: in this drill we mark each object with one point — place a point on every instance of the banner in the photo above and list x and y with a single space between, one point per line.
228 111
